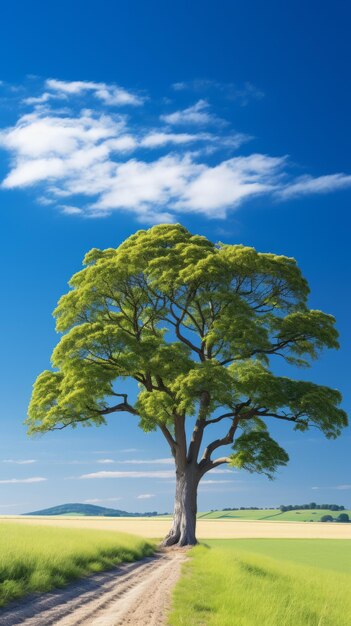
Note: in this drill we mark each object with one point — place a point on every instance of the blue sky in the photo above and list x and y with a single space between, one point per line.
232 118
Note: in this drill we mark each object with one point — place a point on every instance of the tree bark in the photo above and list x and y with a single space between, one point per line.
183 529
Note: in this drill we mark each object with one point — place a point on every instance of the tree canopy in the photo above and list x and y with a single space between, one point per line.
196 325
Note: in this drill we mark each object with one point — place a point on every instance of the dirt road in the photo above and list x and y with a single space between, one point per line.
136 594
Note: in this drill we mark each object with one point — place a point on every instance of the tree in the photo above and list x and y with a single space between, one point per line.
327 518
343 517
196 325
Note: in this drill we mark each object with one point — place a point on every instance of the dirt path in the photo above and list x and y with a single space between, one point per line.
136 594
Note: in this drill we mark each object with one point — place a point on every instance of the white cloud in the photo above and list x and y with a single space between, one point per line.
20 461
145 496
45 97
140 186
129 474
12 481
124 143
89 162
212 142
157 139
110 94
306 185
142 474
345 487
70 210
198 114
43 135
166 461
215 189
215 482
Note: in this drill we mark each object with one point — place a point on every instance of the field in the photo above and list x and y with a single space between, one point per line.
270 582
273 515
227 528
38 559
246 581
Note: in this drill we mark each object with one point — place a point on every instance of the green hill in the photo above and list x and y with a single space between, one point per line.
87 509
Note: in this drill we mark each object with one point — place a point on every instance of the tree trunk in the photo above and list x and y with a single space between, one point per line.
182 532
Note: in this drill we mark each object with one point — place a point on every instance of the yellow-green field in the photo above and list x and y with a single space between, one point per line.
35 558
246 582
265 582
226 528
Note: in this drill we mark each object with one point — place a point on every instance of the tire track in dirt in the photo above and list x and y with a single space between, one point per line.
136 594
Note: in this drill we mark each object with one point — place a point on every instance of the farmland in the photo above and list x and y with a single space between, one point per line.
226 528
273 515
250 582
233 572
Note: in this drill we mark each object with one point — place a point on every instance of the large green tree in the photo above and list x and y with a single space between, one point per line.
196 324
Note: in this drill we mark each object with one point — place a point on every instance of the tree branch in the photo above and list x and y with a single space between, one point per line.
122 406
274 349
219 461
205 463
169 438
219 419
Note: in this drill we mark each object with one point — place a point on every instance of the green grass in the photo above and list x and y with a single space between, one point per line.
238 514
273 515
265 582
35 558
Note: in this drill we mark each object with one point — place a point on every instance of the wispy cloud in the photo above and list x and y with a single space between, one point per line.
306 185
166 461
142 474
129 474
215 482
145 496
13 481
344 487
105 461
88 158
198 114
242 94
20 461
157 139
111 95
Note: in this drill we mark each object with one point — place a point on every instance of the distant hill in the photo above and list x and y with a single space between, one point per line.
87 509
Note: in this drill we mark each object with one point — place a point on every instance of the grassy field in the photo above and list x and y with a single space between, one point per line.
35 558
272 515
268 582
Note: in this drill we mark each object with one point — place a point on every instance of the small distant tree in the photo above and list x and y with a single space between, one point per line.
327 518
343 517
196 325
